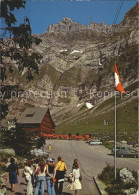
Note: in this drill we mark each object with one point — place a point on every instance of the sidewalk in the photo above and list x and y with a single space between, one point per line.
100 185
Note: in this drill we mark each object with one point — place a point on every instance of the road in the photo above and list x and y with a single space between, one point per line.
92 160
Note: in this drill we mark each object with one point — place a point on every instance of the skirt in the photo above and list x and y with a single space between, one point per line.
76 185
59 176
13 177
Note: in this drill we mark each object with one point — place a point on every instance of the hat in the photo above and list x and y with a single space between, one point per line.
49 160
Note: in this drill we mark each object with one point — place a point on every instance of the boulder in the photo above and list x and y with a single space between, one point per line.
126 176
131 191
8 151
2 186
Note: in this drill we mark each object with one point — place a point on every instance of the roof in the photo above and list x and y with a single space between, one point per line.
32 115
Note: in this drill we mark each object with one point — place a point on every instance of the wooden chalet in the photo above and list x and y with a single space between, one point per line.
37 121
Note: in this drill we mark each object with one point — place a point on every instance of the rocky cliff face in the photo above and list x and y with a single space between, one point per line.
69 68
67 25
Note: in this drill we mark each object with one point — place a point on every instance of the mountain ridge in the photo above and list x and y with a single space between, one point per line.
70 65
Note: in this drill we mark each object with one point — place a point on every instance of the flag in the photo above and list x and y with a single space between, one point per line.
118 85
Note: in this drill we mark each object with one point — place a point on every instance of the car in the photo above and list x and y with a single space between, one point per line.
38 152
119 147
127 153
95 142
89 140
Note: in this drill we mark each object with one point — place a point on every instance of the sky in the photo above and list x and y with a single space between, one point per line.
42 13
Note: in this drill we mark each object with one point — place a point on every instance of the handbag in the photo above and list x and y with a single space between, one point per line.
80 178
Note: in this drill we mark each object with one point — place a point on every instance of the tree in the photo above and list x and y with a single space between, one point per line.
16 51
17 139
16 44
41 142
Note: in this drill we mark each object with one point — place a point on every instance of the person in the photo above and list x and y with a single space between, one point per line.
49 147
50 176
41 174
13 172
75 162
76 184
59 172
28 172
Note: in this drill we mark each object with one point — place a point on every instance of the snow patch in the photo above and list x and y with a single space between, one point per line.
79 104
63 50
76 51
89 105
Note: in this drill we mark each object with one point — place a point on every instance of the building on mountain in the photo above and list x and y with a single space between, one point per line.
36 121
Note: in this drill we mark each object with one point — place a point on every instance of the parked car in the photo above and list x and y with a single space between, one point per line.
38 152
119 147
89 140
127 153
95 142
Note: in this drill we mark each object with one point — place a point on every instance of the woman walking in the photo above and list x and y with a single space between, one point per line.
50 176
76 184
28 172
13 172
60 169
40 174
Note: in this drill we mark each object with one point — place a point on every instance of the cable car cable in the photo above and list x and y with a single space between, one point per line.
118 11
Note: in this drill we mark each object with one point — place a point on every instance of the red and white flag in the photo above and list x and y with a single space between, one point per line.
118 85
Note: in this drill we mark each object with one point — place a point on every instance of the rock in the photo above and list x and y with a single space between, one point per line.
2 186
131 191
67 25
126 176
123 142
8 151
3 191
71 52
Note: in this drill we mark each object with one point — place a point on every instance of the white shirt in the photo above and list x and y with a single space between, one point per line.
76 173
28 171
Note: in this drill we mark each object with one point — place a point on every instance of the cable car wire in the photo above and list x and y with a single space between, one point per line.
118 11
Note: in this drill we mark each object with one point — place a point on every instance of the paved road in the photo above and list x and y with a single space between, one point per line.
92 160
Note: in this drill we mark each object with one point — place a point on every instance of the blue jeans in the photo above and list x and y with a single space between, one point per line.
40 182
50 185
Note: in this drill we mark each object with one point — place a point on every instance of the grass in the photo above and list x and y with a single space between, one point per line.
127 121
63 100
70 78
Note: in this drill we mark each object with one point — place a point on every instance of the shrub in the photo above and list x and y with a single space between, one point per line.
116 186
107 175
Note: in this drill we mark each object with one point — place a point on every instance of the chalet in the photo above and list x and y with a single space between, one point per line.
36 121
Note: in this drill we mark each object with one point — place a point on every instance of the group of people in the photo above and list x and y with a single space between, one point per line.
46 171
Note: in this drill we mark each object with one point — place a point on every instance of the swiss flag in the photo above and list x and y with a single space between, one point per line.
118 85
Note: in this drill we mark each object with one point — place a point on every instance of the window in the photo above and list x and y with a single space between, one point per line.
29 115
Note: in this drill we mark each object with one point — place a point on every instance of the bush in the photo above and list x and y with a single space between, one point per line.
115 186
108 175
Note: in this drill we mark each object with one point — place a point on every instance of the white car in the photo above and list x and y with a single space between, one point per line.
38 152
95 142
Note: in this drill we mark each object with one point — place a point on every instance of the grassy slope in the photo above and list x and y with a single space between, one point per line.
126 121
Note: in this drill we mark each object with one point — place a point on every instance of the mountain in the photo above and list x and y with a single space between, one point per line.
69 80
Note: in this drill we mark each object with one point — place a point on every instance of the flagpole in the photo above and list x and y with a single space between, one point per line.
118 87
115 134
115 138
